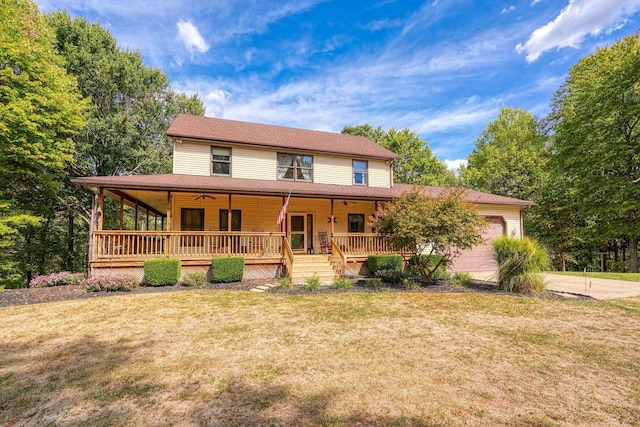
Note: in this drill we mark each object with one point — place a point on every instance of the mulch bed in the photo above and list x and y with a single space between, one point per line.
12 297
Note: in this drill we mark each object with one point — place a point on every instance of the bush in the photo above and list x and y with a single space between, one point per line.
341 283
285 283
195 278
375 283
162 272
227 269
520 262
392 277
312 284
110 283
56 279
462 279
385 262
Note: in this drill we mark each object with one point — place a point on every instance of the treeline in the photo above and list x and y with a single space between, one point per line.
72 103
580 164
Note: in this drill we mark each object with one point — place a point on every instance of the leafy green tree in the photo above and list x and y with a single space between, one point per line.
132 104
596 117
417 164
432 229
509 156
40 111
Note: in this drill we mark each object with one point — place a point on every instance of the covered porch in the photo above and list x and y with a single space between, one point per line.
140 221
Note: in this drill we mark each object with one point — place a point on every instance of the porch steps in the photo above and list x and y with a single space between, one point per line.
305 266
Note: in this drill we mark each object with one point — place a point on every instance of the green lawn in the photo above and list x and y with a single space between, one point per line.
379 359
630 277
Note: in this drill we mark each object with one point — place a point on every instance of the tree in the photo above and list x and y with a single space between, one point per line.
430 227
596 116
40 111
509 156
132 104
417 164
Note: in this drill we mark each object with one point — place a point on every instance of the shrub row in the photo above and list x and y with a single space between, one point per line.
56 279
110 283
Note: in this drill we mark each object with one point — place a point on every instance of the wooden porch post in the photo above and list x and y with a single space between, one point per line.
135 227
100 208
92 227
229 215
167 249
169 211
333 220
147 219
121 216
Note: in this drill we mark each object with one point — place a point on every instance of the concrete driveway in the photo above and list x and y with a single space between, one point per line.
596 288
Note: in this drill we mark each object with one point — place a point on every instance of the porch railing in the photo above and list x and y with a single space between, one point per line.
115 244
338 258
361 243
288 256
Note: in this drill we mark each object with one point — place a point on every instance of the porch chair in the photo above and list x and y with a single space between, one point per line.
325 245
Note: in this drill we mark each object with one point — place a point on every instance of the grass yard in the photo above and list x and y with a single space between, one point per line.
225 358
629 277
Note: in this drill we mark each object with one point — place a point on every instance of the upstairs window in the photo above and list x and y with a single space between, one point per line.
221 161
295 167
360 172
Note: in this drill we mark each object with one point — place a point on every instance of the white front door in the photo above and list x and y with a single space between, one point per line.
298 232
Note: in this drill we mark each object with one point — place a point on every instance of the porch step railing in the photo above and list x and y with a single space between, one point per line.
117 244
361 243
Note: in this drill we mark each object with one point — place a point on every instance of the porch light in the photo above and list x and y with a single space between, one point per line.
99 211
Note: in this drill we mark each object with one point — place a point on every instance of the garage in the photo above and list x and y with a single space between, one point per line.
479 257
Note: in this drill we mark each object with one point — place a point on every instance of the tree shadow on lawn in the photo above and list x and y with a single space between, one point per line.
54 381
87 381
267 404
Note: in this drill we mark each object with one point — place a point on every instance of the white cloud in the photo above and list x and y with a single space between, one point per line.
454 165
509 9
576 21
190 36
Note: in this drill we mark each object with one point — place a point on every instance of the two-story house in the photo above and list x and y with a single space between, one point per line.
226 194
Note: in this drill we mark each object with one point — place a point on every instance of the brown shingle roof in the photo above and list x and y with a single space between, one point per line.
194 183
212 129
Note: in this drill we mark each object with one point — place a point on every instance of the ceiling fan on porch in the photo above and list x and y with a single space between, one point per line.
204 196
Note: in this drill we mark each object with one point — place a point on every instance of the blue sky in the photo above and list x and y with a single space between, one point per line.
442 68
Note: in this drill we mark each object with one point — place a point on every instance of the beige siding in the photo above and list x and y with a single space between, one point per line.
191 159
253 163
379 174
511 215
259 213
332 170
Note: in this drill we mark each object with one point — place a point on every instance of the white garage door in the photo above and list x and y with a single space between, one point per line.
478 258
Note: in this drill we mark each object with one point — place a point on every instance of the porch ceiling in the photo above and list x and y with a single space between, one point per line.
154 199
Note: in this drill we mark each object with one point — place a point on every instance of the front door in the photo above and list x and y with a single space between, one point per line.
298 232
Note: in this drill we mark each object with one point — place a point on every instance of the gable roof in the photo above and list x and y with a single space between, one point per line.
213 184
222 130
